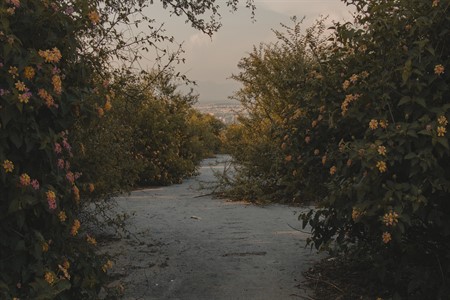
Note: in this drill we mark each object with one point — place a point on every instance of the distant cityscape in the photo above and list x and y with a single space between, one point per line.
227 113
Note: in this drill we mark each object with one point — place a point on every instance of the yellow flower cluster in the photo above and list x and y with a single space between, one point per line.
442 120
382 167
333 170
390 219
382 150
91 240
45 247
439 69
46 97
107 265
29 73
76 194
356 214
386 237
348 99
373 124
441 130
75 227
25 179
20 86
94 17
8 166
49 277
51 56
57 84
62 216
13 71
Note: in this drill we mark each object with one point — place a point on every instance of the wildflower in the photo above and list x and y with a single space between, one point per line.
384 124
346 85
16 3
57 148
51 56
382 150
100 112
45 247
75 227
364 74
107 265
20 86
435 3
386 237
441 131
70 177
49 277
13 71
390 219
316 152
307 139
314 123
60 163
11 10
288 158
333 170
91 240
25 97
51 199
76 194
29 73
94 17
57 85
62 216
353 78
382 167
46 97
439 69
107 106
25 179
442 120
91 187
356 214
348 99
373 124
8 166
66 145
35 184
324 159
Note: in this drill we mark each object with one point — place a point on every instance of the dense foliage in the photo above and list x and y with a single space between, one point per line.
360 119
55 63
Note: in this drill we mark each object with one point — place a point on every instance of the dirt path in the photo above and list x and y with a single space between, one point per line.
191 247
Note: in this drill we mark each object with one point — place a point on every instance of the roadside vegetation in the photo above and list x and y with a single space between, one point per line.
79 123
354 118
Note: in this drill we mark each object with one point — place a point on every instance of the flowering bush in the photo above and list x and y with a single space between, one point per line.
44 250
364 116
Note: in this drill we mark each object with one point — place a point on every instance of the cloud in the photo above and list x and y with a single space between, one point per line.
199 39
308 8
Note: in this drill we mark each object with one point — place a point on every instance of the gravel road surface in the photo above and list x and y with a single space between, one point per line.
187 245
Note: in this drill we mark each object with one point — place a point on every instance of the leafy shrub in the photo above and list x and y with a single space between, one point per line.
363 118
44 253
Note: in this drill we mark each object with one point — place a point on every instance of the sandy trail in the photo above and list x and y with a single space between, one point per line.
184 246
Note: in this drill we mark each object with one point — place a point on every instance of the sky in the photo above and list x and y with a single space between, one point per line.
211 61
